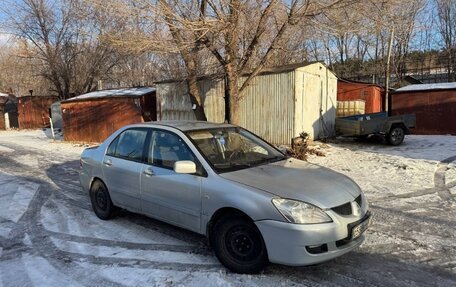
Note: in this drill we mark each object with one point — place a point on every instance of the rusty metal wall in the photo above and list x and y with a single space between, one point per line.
33 112
267 107
435 110
347 91
95 120
174 103
214 99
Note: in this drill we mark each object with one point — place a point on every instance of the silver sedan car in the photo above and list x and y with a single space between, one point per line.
254 204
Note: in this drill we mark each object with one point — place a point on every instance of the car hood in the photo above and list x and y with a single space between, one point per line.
299 180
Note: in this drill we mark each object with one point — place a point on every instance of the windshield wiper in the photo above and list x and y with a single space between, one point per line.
270 159
238 165
277 158
233 164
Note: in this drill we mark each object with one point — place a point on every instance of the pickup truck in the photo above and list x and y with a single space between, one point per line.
392 128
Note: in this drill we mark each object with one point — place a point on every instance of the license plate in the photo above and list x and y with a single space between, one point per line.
360 228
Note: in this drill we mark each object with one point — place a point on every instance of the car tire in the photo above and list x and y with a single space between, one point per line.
395 136
101 201
239 246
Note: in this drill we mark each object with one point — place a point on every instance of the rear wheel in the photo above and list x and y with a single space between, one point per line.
101 201
239 245
396 135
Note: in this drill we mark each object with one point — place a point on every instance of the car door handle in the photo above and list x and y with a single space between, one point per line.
148 171
107 162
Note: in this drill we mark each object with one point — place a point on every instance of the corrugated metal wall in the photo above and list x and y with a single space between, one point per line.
358 91
435 110
279 106
95 120
276 106
312 100
267 107
34 111
174 103
330 106
319 101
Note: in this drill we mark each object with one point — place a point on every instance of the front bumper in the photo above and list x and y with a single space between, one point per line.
300 244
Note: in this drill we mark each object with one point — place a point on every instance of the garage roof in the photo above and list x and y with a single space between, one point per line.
3 98
114 93
427 87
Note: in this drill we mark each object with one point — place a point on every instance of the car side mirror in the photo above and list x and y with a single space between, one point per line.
185 166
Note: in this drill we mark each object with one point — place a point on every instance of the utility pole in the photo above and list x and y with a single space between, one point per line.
387 71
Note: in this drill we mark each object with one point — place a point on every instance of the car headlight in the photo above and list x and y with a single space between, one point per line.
300 212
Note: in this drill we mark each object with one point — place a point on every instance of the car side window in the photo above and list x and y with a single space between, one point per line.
129 145
166 148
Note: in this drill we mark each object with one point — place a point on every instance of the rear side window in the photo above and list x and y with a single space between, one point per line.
129 145
167 148
112 147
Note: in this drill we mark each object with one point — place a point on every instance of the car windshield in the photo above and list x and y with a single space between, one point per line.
230 149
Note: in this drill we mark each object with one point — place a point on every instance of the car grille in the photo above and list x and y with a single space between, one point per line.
358 200
346 209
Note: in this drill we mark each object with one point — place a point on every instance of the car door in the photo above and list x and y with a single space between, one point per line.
122 167
165 194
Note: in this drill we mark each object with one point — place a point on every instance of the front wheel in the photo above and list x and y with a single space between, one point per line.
396 136
101 201
239 245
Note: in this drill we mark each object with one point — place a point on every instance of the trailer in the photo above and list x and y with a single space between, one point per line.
392 128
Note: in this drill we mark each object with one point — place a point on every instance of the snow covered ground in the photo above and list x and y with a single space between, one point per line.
50 237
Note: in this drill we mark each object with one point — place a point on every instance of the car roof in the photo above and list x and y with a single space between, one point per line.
189 125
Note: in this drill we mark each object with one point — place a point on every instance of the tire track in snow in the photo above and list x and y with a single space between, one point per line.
64 261
190 249
441 187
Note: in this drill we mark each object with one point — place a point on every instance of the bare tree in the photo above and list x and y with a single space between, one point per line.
446 11
358 36
404 20
242 37
156 28
247 34
19 76
74 43
64 39
189 50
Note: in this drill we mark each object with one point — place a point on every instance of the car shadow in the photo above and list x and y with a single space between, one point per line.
363 268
